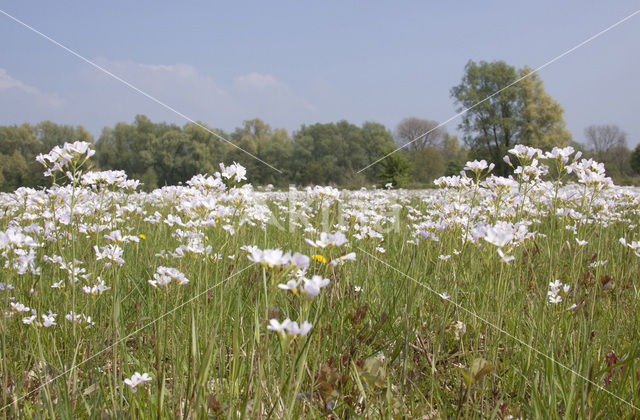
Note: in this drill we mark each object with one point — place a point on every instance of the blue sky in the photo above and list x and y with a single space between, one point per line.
294 63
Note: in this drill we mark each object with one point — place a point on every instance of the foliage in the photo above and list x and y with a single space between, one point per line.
542 124
332 153
394 170
635 160
502 113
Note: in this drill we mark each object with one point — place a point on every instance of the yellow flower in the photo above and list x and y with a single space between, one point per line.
142 236
319 258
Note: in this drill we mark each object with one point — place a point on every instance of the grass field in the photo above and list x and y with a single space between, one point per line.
486 298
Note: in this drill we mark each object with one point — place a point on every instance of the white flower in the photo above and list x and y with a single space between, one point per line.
498 236
300 260
478 166
312 286
19 307
302 330
269 257
97 289
288 327
28 320
137 379
505 258
444 295
328 239
275 325
235 171
165 275
555 298
109 252
291 285
49 320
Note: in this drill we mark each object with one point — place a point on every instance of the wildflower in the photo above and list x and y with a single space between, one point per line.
165 275
235 171
498 236
444 295
136 380
555 298
79 318
49 320
97 289
295 330
58 157
312 286
554 291
300 260
328 239
580 242
19 307
351 256
319 258
6 286
289 328
109 252
444 257
280 328
291 285
505 258
28 320
269 257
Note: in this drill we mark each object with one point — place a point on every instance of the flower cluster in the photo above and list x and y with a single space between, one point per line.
311 287
289 328
554 291
165 275
276 257
58 157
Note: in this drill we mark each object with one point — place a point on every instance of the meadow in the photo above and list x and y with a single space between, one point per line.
487 297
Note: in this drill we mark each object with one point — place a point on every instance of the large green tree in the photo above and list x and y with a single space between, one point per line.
272 146
502 111
333 153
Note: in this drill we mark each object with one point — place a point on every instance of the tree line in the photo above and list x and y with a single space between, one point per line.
502 105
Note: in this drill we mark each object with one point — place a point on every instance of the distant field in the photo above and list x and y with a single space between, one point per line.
486 298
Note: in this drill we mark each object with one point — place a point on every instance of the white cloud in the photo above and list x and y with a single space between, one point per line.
256 81
95 99
21 92
184 88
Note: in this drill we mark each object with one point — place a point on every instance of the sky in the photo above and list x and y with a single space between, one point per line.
293 63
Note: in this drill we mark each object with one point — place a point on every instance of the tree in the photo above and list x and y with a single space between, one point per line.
542 124
602 138
332 153
501 113
272 146
417 134
491 126
635 160
428 164
394 169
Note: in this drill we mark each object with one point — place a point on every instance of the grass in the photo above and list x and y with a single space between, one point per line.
393 347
